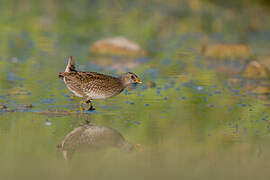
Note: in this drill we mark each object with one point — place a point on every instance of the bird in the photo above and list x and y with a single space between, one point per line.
89 138
93 85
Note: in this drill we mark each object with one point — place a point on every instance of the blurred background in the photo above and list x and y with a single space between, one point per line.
201 112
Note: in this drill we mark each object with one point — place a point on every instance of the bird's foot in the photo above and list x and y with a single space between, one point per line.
81 106
89 106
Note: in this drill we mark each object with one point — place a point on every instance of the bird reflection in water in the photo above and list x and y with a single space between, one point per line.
93 138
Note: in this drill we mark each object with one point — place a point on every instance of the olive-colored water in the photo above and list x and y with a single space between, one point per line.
196 123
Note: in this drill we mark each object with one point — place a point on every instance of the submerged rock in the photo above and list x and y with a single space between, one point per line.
117 46
93 138
256 69
117 53
265 61
258 89
226 51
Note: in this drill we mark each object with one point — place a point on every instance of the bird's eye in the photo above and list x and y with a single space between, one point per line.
132 77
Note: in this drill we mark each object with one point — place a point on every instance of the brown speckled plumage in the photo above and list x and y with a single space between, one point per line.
93 138
92 85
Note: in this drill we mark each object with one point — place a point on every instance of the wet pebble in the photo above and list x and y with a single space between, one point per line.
29 106
3 107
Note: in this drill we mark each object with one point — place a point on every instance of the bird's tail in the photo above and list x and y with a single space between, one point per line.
70 66
66 153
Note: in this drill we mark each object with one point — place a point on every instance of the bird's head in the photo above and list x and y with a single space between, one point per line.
130 78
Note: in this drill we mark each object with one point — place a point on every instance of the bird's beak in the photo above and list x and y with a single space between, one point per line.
138 148
138 81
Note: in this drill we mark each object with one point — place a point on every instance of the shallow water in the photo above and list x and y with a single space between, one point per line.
199 121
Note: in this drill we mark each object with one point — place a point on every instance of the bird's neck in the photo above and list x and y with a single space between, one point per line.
123 81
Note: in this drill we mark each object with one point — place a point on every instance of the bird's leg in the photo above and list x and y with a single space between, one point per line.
89 106
81 105
87 120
